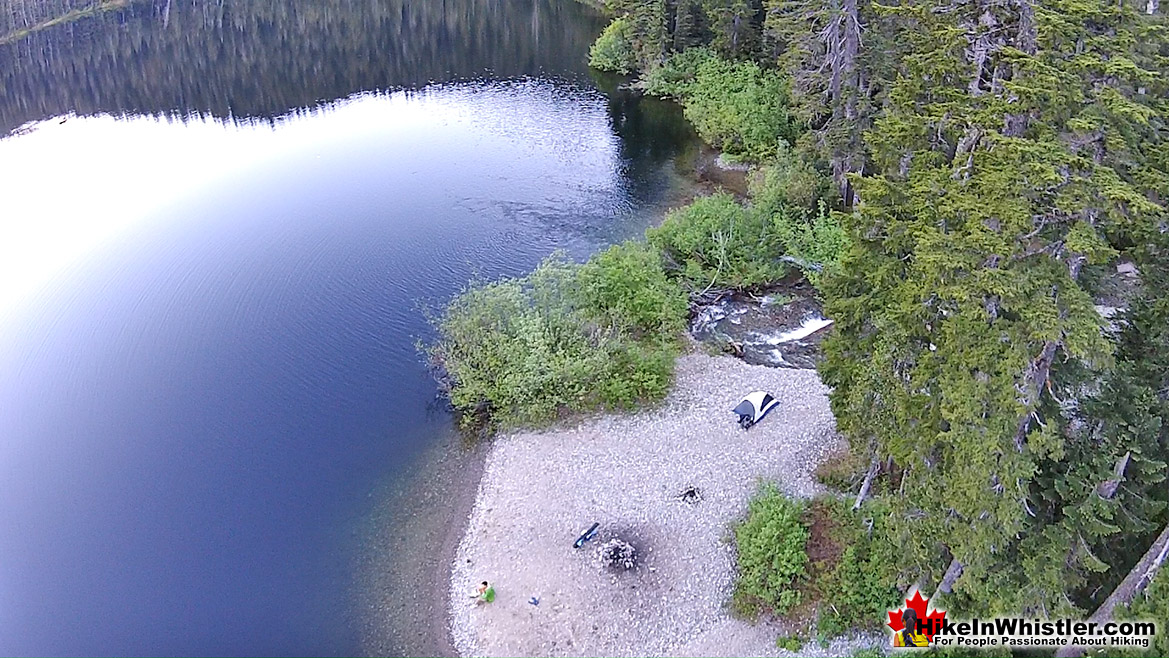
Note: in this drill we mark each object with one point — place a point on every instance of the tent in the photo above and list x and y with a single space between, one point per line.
754 407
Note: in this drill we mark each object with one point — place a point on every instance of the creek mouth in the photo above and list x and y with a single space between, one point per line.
781 326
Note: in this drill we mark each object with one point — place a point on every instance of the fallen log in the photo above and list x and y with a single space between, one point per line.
1134 583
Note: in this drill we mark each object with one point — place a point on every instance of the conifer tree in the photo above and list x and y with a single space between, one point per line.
1021 147
735 26
689 25
650 22
820 42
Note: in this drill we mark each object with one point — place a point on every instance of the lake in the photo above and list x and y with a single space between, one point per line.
222 226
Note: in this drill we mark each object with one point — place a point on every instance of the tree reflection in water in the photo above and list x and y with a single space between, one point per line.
259 59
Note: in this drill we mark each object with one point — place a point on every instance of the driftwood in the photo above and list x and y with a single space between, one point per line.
864 492
708 297
1134 583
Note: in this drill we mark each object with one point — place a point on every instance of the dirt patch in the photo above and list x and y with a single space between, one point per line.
711 168
824 549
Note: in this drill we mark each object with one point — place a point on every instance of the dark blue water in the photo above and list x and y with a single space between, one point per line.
208 324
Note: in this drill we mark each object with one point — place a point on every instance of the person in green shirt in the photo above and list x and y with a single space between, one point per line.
485 593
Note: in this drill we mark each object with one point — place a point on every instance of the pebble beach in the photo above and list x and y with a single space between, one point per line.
541 490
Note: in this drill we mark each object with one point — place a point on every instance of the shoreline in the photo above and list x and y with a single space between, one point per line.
539 490
411 539
463 503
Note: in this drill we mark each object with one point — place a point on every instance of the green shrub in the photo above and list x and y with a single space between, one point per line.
771 554
815 244
790 181
565 338
734 105
716 242
793 195
613 50
792 643
674 77
625 286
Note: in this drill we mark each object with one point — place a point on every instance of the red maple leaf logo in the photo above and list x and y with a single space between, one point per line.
929 623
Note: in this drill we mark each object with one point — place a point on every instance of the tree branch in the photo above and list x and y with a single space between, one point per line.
953 572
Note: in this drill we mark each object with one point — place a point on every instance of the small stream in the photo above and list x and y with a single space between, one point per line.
781 326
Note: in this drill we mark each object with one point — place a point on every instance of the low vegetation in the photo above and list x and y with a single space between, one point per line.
736 106
772 554
837 565
613 50
716 242
565 338
719 242
796 200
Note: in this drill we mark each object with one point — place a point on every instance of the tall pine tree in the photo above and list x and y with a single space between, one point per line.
1019 151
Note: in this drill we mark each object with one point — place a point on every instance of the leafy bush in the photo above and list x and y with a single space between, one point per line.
675 76
792 643
564 338
625 286
789 181
793 195
771 553
815 244
716 242
735 106
613 50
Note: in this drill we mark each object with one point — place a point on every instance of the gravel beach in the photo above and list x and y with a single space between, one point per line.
541 490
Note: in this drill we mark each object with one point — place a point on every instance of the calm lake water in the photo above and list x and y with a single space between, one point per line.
220 224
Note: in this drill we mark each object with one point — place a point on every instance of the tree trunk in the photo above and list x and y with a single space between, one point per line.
1134 583
842 43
